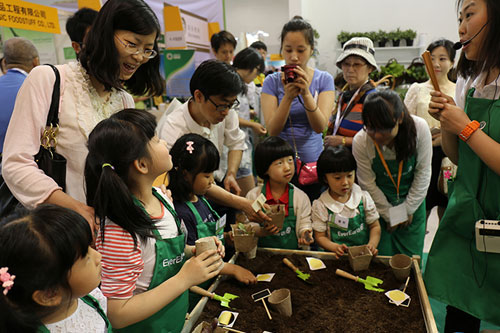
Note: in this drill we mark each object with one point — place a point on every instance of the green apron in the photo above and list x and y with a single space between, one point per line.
94 304
356 233
169 260
409 240
207 229
456 273
204 229
287 237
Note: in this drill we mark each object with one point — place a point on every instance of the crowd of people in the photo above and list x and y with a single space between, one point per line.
109 251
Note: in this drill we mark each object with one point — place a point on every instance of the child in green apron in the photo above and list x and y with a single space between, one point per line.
49 274
194 160
457 273
275 165
393 154
344 215
145 273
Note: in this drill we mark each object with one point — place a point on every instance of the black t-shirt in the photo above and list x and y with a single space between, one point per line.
186 215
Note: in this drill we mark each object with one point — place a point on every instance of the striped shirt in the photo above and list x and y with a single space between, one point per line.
127 271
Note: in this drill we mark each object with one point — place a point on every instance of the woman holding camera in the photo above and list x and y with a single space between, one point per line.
297 102
357 61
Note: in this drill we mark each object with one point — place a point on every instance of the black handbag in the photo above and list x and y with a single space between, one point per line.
50 162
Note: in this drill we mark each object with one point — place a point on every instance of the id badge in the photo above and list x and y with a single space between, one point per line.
397 214
219 227
339 221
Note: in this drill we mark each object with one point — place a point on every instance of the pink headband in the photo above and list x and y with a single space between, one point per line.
6 279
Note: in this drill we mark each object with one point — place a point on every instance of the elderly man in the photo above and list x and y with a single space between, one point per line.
20 56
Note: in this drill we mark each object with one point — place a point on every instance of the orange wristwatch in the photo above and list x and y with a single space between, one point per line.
468 130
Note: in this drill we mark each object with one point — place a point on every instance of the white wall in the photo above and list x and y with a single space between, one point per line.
432 19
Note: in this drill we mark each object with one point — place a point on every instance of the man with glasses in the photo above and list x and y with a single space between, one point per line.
209 113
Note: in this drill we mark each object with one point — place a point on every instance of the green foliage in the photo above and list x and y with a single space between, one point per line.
392 68
408 34
343 36
243 227
395 34
382 36
417 73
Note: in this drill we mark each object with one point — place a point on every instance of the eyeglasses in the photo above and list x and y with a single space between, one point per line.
131 48
224 107
355 66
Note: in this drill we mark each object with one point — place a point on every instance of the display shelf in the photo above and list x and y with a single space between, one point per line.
403 54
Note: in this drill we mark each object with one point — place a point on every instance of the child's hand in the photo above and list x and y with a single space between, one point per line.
270 229
244 275
372 249
305 238
201 268
221 250
339 249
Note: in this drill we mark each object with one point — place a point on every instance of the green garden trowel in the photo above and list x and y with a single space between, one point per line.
371 283
224 300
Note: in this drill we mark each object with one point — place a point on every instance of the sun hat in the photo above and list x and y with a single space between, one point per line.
359 46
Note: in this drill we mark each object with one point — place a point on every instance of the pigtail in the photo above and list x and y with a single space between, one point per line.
16 319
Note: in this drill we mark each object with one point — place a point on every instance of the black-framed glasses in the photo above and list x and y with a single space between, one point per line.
131 48
224 107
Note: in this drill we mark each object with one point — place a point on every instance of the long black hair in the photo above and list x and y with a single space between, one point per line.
39 247
382 110
99 55
203 157
490 49
118 141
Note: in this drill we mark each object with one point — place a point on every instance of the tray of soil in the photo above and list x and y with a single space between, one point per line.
331 304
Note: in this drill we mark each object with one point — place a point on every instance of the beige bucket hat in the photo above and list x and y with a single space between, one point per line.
359 46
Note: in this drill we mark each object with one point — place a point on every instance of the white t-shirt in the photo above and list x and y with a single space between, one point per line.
84 319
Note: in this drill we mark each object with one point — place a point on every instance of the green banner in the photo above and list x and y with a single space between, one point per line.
179 67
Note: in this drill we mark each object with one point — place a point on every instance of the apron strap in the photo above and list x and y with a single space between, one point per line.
400 169
93 303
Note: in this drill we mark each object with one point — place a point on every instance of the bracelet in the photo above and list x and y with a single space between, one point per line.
343 141
317 107
469 130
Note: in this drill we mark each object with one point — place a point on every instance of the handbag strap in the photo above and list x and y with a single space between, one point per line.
293 137
53 117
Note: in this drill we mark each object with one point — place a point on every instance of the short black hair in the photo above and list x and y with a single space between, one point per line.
335 159
249 58
268 151
258 45
214 77
99 55
77 25
220 38
203 158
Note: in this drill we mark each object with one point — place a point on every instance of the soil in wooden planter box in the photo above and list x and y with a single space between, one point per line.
332 304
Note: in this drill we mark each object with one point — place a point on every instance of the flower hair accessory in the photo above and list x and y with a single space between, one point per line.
189 147
6 279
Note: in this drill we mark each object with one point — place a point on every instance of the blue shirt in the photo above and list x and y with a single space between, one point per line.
9 86
309 143
186 215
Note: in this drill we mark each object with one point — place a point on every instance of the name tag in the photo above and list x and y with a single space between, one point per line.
219 227
341 222
397 215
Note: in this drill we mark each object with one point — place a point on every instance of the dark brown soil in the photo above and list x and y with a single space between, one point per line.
332 304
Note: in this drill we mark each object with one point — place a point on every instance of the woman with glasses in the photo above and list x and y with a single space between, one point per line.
120 51
297 107
357 61
393 154
248 63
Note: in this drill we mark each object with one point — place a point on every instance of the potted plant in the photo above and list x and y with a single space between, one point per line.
372 35
395 69
395 36
245 240
343 37
381 38
416 72
409 35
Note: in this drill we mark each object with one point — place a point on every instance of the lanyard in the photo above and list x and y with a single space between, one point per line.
400 169
340 116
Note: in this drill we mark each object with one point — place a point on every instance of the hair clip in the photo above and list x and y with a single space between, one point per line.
6 279
189 147
107 165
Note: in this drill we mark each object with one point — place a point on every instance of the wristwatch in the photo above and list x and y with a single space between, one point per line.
468 130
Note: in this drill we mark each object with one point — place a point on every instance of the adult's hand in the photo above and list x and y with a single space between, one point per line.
436 105
333 140
231 185
303 81
253 216
291 89
259 129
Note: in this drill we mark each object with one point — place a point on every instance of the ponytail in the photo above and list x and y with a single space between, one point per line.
114 145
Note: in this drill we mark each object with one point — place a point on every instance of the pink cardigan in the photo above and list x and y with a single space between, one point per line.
77 117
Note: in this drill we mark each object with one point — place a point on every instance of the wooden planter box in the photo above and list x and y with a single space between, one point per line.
427 315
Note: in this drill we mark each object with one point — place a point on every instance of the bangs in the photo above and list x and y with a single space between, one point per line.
378 113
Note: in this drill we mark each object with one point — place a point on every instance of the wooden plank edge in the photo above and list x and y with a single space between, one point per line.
430 322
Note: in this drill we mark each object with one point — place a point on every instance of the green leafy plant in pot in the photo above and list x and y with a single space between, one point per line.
395 69
343 37
395 36
409 35
416 72
382 38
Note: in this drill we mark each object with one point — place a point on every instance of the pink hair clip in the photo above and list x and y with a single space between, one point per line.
189 147
6 279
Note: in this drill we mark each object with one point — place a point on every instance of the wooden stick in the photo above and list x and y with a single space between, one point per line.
231 329
268 314
430 70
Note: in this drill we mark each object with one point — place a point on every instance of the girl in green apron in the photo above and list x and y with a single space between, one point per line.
393 155
145 272
274 163
344 215
194 160
457 273
47 270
